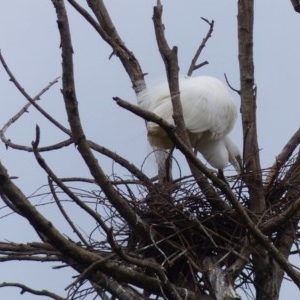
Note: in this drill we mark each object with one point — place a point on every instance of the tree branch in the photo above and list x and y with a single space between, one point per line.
296 5
194 65
32 101
26 289
248 106
281 159
122 162
108 33
77 132
65 215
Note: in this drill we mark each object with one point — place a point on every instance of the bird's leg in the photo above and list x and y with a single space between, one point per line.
196 146
164 163
161 157
196 143
221 176
168 165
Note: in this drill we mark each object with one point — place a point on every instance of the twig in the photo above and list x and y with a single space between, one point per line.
10 204
194 65
32 101
230 86
66 190
282 158
85 274
26 289
283 217
108 33
65 215
9 144
123 162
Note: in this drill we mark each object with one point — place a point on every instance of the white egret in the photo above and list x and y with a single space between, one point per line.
209 113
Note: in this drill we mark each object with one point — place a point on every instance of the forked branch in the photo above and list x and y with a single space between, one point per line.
78 134
26 289
106 29
194 66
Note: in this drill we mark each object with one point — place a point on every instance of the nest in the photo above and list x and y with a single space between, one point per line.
186 229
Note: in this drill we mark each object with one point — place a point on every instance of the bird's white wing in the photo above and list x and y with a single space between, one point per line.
207 105
158 100
207 108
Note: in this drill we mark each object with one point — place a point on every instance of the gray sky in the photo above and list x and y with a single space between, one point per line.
29 41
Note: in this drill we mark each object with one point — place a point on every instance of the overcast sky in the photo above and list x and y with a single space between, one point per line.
29 41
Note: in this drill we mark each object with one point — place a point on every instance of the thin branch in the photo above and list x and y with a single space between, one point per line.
282 158
170 59
66 190
64 213
296 5
282 218
194 66
26 289
9 203
230 86
108 33
71 105
123 162
32 101
10 144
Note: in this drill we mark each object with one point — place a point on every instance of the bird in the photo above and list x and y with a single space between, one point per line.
209 113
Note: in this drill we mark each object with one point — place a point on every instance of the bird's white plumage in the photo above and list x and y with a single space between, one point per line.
209 113
221 151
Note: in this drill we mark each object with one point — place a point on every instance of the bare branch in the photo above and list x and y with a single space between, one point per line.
230 86
108 33
32 101
78 135
64 213
8 143
282 218
264 241
80 203
171 63
123 162
170 59
26 289
282 158
296 5
194 65
248 106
